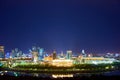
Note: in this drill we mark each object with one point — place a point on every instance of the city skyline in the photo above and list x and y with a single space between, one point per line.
61 25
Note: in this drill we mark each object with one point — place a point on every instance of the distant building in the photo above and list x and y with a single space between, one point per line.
69 54
12 54
109 55
37 53
61 55
95 60
40 53
48 58
83 53
7 55
2 55
35 56
62 63
16 53
54 55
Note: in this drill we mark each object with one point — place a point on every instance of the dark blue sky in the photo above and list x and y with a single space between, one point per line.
61 24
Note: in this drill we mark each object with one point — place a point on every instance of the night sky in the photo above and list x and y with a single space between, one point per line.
93 25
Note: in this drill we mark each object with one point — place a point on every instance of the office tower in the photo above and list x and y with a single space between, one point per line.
35 56
7 55
12 54
62 54
20 53
83 53
2 55
16 53
40 53
54 55
37 53
69 54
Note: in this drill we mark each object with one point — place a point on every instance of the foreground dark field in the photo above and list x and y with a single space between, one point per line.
93 77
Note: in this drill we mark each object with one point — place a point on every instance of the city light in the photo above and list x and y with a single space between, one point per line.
62 63
39 61
62 75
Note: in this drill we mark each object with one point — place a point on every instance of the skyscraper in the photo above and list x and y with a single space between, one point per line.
37 53
16 53
83 53
40 53
34 52
62 54
69 54
35 56
12 54
54 54
2 55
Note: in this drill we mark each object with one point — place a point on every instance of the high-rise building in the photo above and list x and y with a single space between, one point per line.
41 53
37 53
7 55
12 54
62 55
16 53
35 56
2 55
20 53
69 54
54 54
83 53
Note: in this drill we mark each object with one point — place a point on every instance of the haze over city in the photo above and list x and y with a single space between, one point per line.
61 25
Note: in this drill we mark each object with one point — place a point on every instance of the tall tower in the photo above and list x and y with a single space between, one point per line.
41 53
83 53
54 55
35 56
62 54
69 54
2 55
37 53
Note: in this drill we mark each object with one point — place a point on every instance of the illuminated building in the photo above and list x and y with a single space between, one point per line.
90 55
16 53
62 55
35 56
111 55
83 53
48 58
96 60
12 54
7 55
40 53
62 63
37 53
69 54
2 55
